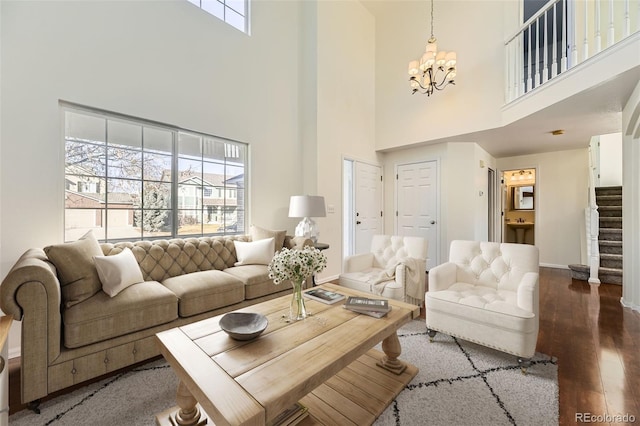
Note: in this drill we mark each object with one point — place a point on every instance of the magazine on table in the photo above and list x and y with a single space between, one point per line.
370 313
324 296
367 304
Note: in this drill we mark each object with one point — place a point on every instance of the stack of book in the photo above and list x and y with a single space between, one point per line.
291 416
374 307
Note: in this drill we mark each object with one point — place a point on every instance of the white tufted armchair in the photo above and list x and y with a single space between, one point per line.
488 294
395 268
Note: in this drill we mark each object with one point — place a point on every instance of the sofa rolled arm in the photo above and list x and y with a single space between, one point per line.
32 266
528 292
442 276
357 262
31 293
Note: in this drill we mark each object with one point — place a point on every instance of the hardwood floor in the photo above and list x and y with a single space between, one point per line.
596 341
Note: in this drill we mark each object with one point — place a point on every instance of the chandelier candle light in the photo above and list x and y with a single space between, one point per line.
434 70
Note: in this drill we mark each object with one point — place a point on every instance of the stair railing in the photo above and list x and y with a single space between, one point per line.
561 35
592 219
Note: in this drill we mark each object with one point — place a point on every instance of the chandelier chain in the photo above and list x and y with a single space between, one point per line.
431 18
434 70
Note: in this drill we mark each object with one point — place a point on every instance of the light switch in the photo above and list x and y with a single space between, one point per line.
331 208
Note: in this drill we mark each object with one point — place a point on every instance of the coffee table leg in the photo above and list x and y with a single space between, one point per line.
392 350
188 413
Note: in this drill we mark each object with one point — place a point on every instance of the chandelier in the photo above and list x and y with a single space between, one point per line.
434 70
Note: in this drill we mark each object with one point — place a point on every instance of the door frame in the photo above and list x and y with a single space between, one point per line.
438 201
503 198
348 219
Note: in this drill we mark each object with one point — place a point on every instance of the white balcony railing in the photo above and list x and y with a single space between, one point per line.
563 34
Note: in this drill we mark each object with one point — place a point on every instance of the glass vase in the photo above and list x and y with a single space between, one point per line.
297 309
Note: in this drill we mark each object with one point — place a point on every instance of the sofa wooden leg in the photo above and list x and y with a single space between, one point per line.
34 406
524 364
431 333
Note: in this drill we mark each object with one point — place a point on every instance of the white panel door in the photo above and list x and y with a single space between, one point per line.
368 205
417 202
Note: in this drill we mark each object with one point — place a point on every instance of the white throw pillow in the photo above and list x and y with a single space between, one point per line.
255 252
118 272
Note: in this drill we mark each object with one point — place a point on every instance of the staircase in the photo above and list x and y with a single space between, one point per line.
609 201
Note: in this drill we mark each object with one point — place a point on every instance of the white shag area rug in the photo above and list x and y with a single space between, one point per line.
459 383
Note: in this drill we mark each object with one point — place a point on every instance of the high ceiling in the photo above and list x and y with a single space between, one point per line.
593 112
596 110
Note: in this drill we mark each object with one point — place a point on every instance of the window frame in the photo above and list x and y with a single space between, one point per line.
76 182
227 7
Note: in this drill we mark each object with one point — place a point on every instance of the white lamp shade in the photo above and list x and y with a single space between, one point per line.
440 58
450 59
307 206
432 48
413 68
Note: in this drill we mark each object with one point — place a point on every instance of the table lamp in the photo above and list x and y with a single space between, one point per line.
307 206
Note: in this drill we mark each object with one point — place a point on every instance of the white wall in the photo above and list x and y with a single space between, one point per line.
561 196
345 108
163 61
631 202
474 102
611 159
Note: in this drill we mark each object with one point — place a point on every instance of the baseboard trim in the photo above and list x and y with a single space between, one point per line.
631 306
327 279
553 265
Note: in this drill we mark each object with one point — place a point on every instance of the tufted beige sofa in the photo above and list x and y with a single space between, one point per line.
186 280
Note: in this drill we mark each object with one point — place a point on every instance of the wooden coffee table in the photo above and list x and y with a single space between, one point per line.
326 362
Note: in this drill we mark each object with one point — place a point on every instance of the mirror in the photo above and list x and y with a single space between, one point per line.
522 197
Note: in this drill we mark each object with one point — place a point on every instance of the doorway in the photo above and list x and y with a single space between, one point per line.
417 205
519 206
362 211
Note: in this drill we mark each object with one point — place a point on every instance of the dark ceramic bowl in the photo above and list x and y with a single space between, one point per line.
243 325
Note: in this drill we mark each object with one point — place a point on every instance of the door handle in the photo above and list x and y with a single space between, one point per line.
433 222
358 222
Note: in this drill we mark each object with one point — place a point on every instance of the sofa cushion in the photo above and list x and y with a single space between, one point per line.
118 272
76 269
256 280
254 252
258 233
102 317
482 305
205 291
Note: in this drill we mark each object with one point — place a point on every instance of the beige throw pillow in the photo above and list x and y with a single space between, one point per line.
255 252
258 233
76 270
118 272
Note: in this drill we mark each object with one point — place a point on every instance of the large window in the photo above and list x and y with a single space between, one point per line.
130 179
233 12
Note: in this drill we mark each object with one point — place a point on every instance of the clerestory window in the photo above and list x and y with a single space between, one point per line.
233 12
128 178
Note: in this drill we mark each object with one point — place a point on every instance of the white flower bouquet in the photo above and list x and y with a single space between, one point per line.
296 265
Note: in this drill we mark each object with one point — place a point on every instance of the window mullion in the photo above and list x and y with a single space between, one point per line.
175 214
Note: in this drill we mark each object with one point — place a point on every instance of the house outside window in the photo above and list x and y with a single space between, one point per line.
128 178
